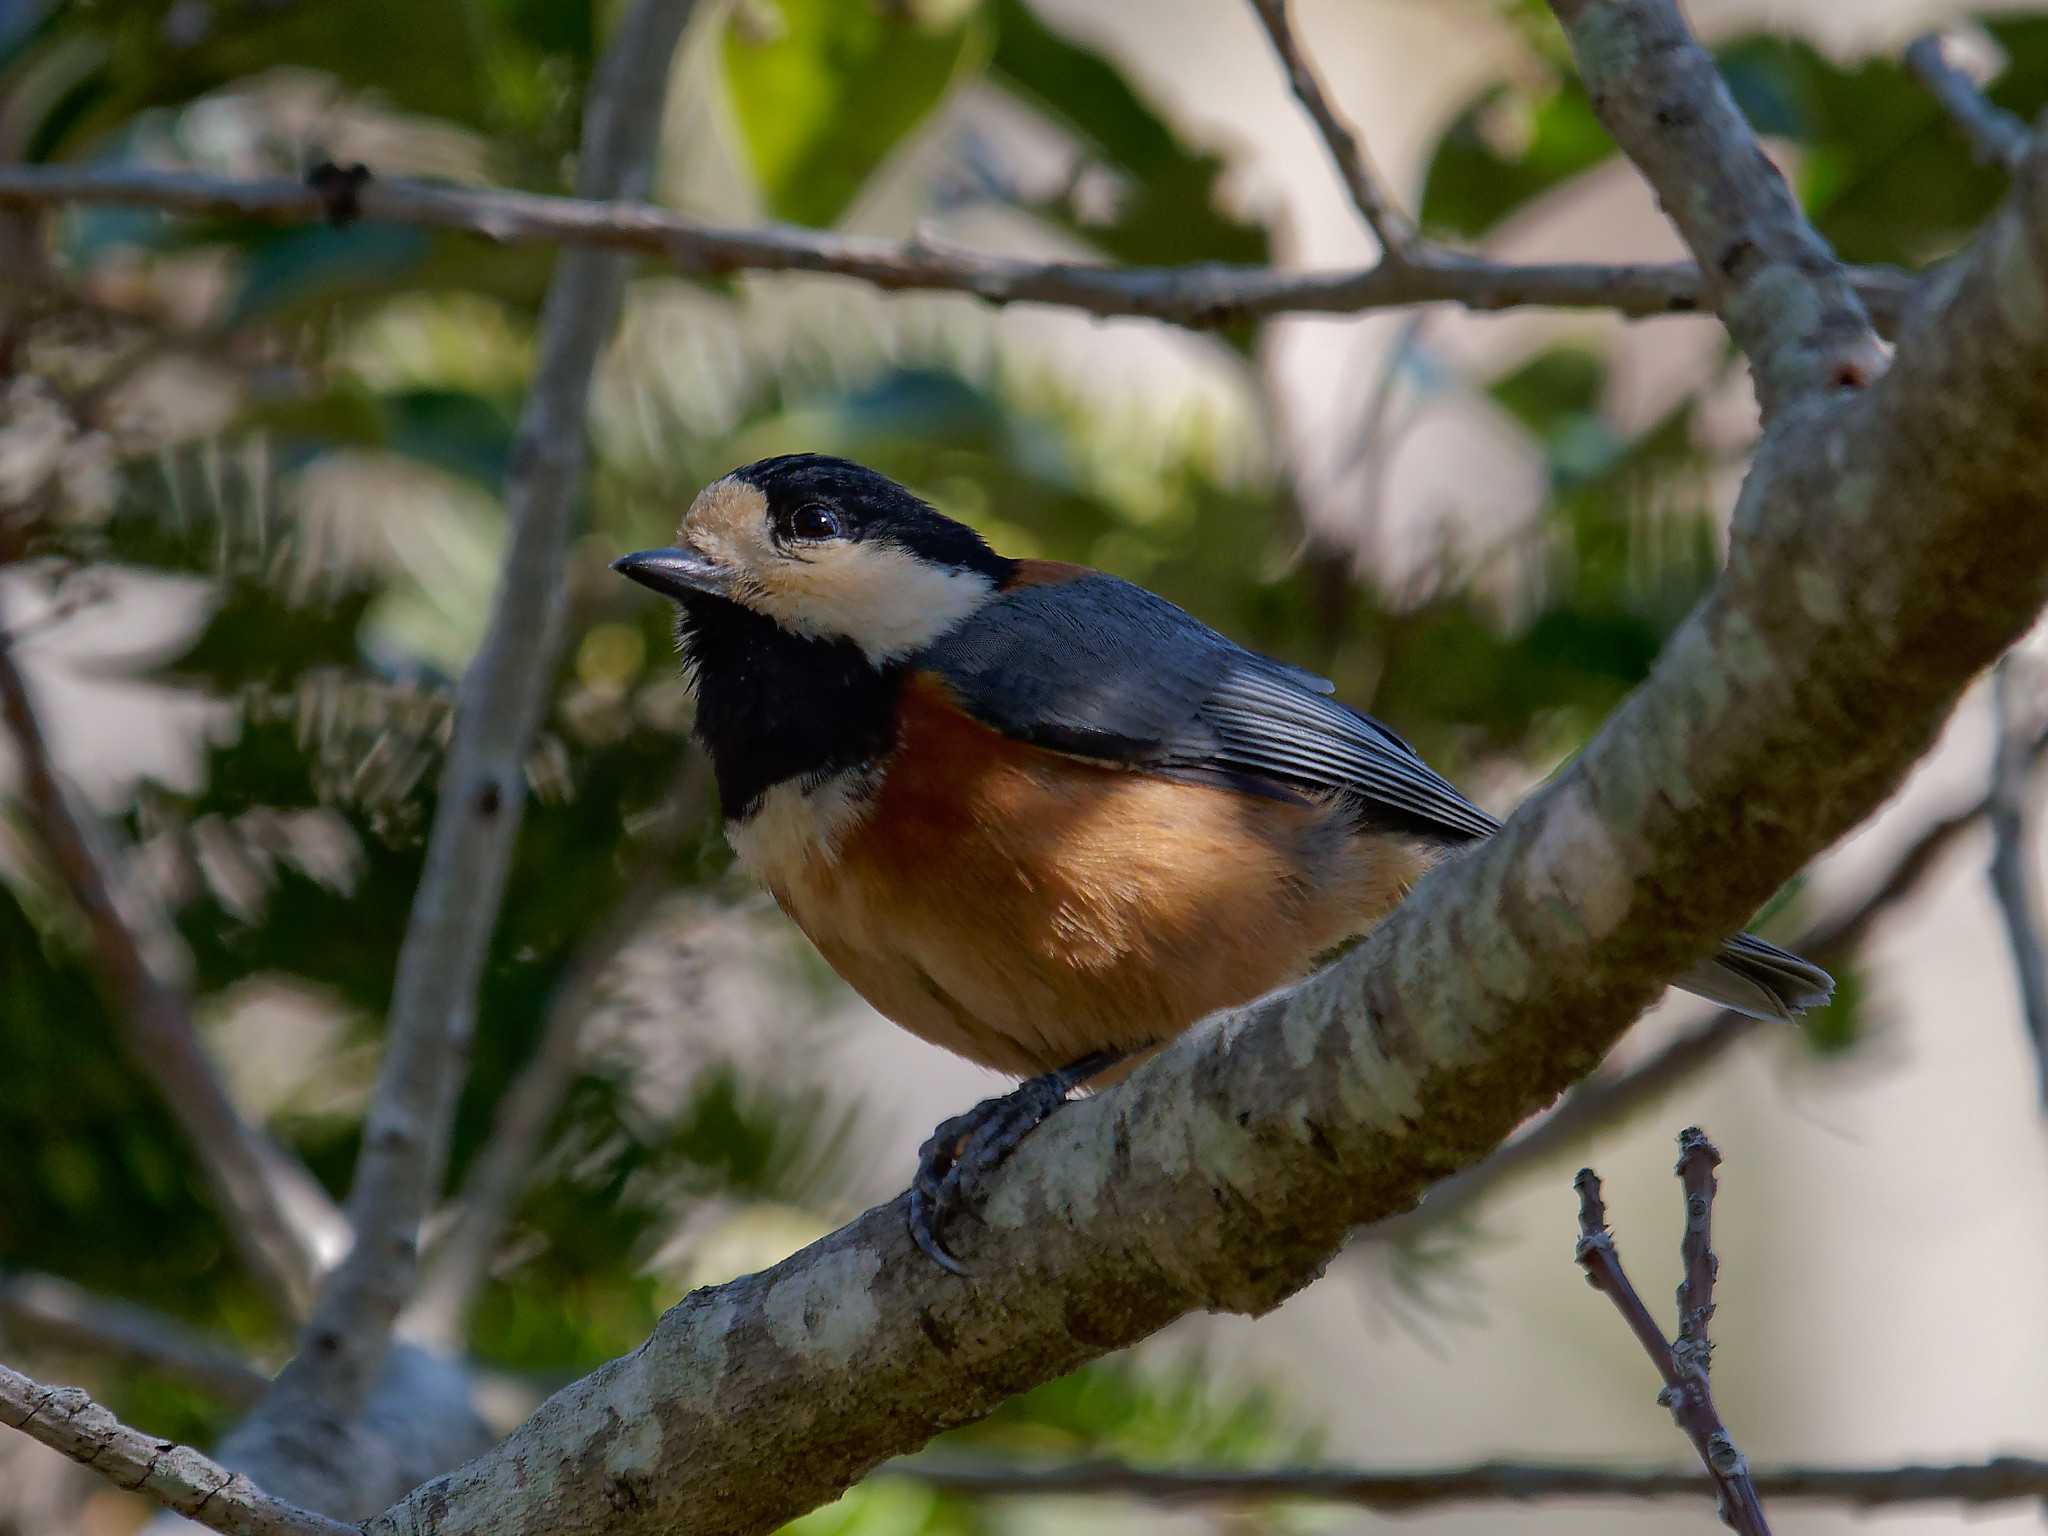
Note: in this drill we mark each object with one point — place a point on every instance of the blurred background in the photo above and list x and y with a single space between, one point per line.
259 473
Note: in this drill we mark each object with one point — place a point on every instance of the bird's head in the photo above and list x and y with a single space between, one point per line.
829 551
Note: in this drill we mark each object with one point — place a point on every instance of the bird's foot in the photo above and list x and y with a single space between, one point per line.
979 1141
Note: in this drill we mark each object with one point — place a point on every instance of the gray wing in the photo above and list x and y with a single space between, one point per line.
1102 669
1099 668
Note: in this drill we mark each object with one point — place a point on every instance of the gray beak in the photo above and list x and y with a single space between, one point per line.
674 573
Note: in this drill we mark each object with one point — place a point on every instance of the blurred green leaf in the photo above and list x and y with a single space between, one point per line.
99 1188
1553 389
296 274
1838 1029
825 100
456 430
1169 212
257 637
1504 151
294 265
1882 172
147 53
1123 1407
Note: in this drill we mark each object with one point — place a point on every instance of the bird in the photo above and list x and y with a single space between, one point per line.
1035 814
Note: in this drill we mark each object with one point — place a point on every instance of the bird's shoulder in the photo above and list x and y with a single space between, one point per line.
1072 658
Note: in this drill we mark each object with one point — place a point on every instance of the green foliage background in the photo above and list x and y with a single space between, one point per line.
374 350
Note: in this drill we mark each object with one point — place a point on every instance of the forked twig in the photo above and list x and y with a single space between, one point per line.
1684 1365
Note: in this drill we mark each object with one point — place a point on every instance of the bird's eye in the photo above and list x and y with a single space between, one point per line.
811 524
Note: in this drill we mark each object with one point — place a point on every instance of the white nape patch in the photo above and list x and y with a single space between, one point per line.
876 594
796 826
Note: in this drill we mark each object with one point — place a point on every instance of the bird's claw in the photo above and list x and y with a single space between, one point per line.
970 1145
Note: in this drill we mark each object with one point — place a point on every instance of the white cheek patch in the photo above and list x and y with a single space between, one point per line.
880 596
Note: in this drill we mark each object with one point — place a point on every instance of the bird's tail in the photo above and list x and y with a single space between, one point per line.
1760 980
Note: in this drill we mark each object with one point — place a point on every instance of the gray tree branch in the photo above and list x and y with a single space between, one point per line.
2013 883
1995 135
42 1309
1203 296
1697 1159
1683 1366
177 1476
457 1268
1769 275
2000 1480
275 1212
342 1351
1396 231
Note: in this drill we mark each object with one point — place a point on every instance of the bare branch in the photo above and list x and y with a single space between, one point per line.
1203 296
275 1212
2000 1480
1397 233
457 1268
43 1309
1785 299
1697 1159
2013 882
176 1476
1996 136
482 790
1686 1392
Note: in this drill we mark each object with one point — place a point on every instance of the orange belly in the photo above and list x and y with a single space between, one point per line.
1024 908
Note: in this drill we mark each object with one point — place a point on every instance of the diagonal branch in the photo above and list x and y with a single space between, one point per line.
1786 301
1997 137
277 1215
2013 881
1203 296
1884 553
1397 234
1402 1491
1686 1392
43 1309
456 1270
1697 1160
177 1476
482 790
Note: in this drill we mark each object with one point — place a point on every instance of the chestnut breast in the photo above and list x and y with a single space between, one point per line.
1025 908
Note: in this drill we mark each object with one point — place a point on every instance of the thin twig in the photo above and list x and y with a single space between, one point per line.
1770 276
1686 1392
1996 136
1396 231
2013 885
1697 1159
176 1476
483 787
457 1267
1605 1098
43 1309
1202 296
275 1212
1396 1491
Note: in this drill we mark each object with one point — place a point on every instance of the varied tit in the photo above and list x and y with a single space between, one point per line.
1032 813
